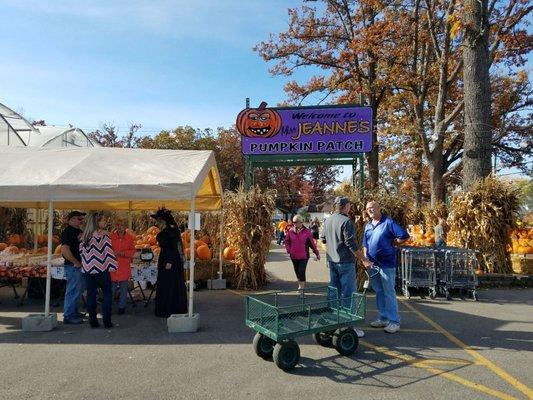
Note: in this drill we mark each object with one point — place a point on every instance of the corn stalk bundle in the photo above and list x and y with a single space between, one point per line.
15 221
248 226
394 205
211 228
432 215
482 218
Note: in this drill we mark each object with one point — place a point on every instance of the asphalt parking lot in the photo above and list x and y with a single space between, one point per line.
446 349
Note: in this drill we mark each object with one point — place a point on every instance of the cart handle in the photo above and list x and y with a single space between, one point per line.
375 270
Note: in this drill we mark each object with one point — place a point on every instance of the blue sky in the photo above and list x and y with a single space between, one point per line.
158 63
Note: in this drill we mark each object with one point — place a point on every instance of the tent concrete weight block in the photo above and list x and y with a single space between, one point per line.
216 284
182 323
39 322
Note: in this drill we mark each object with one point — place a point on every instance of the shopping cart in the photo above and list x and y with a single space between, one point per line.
460 271
418 270
281 316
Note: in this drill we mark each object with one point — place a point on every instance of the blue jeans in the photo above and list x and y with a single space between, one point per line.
123 287
342 276
383 284
94 281
73 291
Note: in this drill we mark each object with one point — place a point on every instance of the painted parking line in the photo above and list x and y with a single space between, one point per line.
427 365
480 359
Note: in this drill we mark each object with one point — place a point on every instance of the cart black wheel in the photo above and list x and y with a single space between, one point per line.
263 346
324 338
286 355
346 341
474 296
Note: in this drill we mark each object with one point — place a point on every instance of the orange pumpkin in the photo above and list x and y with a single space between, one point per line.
229 253
153 230
259 122
204 252
186 237
187 252
57 251
480 272
3 246
15 239
198 243
13 249
206 239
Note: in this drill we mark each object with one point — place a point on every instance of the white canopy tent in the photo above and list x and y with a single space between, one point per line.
109 178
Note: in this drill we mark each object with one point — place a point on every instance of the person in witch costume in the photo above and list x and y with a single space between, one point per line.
171 294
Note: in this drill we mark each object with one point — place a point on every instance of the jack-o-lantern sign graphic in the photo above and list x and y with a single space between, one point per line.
258 122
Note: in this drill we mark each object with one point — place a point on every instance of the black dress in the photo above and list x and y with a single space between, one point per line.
171 295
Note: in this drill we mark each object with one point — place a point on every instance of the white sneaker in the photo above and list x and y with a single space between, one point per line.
359 332
392 327
379 323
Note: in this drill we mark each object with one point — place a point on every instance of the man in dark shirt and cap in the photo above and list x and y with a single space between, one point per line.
341 250
70 249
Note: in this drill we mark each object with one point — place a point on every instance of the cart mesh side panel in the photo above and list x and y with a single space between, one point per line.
288 314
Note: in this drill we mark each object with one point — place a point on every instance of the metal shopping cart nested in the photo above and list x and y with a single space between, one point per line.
460 271
418 269
280 317
438 269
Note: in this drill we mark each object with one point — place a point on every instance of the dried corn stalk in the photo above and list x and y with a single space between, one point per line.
432 215
482 218
248 229
211 228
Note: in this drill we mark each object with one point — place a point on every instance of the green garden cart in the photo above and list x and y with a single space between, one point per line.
279 317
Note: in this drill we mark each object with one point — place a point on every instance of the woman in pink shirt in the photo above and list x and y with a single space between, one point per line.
297 243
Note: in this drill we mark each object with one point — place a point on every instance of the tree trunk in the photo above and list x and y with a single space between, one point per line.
477 94
436 179
418 179
372 158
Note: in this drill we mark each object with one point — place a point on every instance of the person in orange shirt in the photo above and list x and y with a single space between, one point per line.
124 247
281 232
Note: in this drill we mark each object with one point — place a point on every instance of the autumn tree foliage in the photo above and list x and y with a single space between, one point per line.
348 43
407 58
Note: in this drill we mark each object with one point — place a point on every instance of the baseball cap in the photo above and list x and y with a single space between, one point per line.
73 214
341 201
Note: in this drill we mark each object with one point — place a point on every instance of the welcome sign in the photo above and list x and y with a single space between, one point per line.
297 130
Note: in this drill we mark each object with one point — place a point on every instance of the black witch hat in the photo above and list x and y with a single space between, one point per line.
165 215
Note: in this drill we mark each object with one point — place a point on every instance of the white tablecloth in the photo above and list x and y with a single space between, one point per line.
140 272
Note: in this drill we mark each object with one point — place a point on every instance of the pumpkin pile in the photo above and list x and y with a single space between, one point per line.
202 250
521 241
418 238
147 240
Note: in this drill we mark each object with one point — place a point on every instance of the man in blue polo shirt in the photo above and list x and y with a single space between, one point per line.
381 233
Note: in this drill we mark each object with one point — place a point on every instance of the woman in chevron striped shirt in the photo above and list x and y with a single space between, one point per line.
97 260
